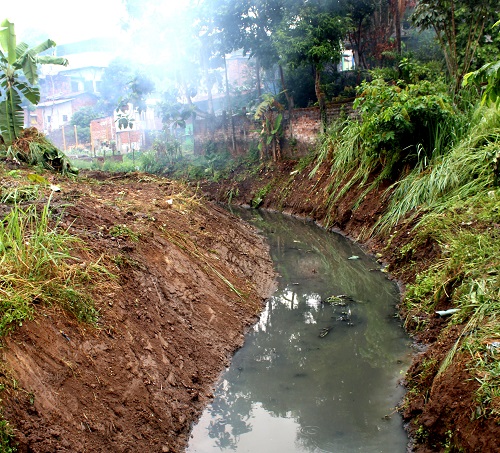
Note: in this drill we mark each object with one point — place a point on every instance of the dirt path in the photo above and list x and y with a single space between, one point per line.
186 289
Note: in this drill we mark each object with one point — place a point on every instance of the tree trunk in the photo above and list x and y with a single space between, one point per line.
230 110
397 24
320 95
289 99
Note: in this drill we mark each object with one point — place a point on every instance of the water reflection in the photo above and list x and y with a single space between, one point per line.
313 376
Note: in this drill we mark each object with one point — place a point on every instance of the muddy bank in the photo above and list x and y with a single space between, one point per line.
439 410
188 281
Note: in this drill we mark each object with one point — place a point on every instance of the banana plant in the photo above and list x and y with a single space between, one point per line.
488 76
268 112
19 78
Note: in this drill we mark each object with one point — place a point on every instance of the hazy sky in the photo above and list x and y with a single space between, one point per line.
67 21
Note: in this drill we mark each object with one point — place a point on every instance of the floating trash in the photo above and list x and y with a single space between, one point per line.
324 332
353 257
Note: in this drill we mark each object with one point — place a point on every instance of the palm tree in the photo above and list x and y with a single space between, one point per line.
18 78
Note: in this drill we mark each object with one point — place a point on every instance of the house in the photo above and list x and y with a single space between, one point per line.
64 90
54 113
104 131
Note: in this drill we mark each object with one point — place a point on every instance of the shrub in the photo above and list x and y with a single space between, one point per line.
400 123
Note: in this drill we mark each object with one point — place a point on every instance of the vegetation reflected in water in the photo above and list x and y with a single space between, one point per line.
316 374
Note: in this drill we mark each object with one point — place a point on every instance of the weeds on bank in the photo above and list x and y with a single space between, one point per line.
6 437
260 195
466 277
123 231
470 168
350 165
36 267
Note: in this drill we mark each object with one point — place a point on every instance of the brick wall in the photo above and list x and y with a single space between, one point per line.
102 129
216 134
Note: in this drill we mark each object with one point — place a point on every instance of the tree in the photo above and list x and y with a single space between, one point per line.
488 75
312 36
122 84
18 78
269 114
81 119
459 26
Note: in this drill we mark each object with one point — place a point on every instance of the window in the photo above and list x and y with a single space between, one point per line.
65 118
49 118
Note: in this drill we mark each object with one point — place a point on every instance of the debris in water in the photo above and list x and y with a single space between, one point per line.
324 332
353 257
339 300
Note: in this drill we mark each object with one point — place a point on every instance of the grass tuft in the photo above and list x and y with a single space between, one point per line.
36 267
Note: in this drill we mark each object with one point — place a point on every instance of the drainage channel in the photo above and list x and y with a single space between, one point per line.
320 370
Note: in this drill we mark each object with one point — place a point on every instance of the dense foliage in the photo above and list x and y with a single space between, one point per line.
401 123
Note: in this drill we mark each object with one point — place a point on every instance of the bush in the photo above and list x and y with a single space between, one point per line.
400 124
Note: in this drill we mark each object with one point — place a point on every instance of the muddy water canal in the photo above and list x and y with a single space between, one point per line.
319 372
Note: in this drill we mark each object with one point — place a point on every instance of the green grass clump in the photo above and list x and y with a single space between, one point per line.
36 267
260 195
468 169
123 231
466 277
6 438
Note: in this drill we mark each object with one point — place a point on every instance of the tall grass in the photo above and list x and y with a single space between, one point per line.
36 267
350 164
467 169
466 277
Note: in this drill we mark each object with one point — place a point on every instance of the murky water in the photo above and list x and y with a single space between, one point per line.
313 376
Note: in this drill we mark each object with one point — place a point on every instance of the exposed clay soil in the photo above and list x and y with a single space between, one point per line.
168 323
443 406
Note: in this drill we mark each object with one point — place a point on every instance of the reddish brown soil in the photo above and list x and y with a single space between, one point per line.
439 410
168 322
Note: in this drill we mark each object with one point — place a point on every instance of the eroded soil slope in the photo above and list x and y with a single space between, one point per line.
189 279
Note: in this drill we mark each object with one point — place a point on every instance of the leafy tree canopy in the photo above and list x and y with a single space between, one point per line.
121 83
459 26
84 116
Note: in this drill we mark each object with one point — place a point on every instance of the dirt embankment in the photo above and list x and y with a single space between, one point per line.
440 413
189 279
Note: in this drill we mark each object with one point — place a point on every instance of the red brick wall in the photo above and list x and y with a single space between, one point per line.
102 129
306 125
126 137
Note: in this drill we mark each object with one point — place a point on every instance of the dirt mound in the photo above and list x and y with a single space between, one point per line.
189 279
